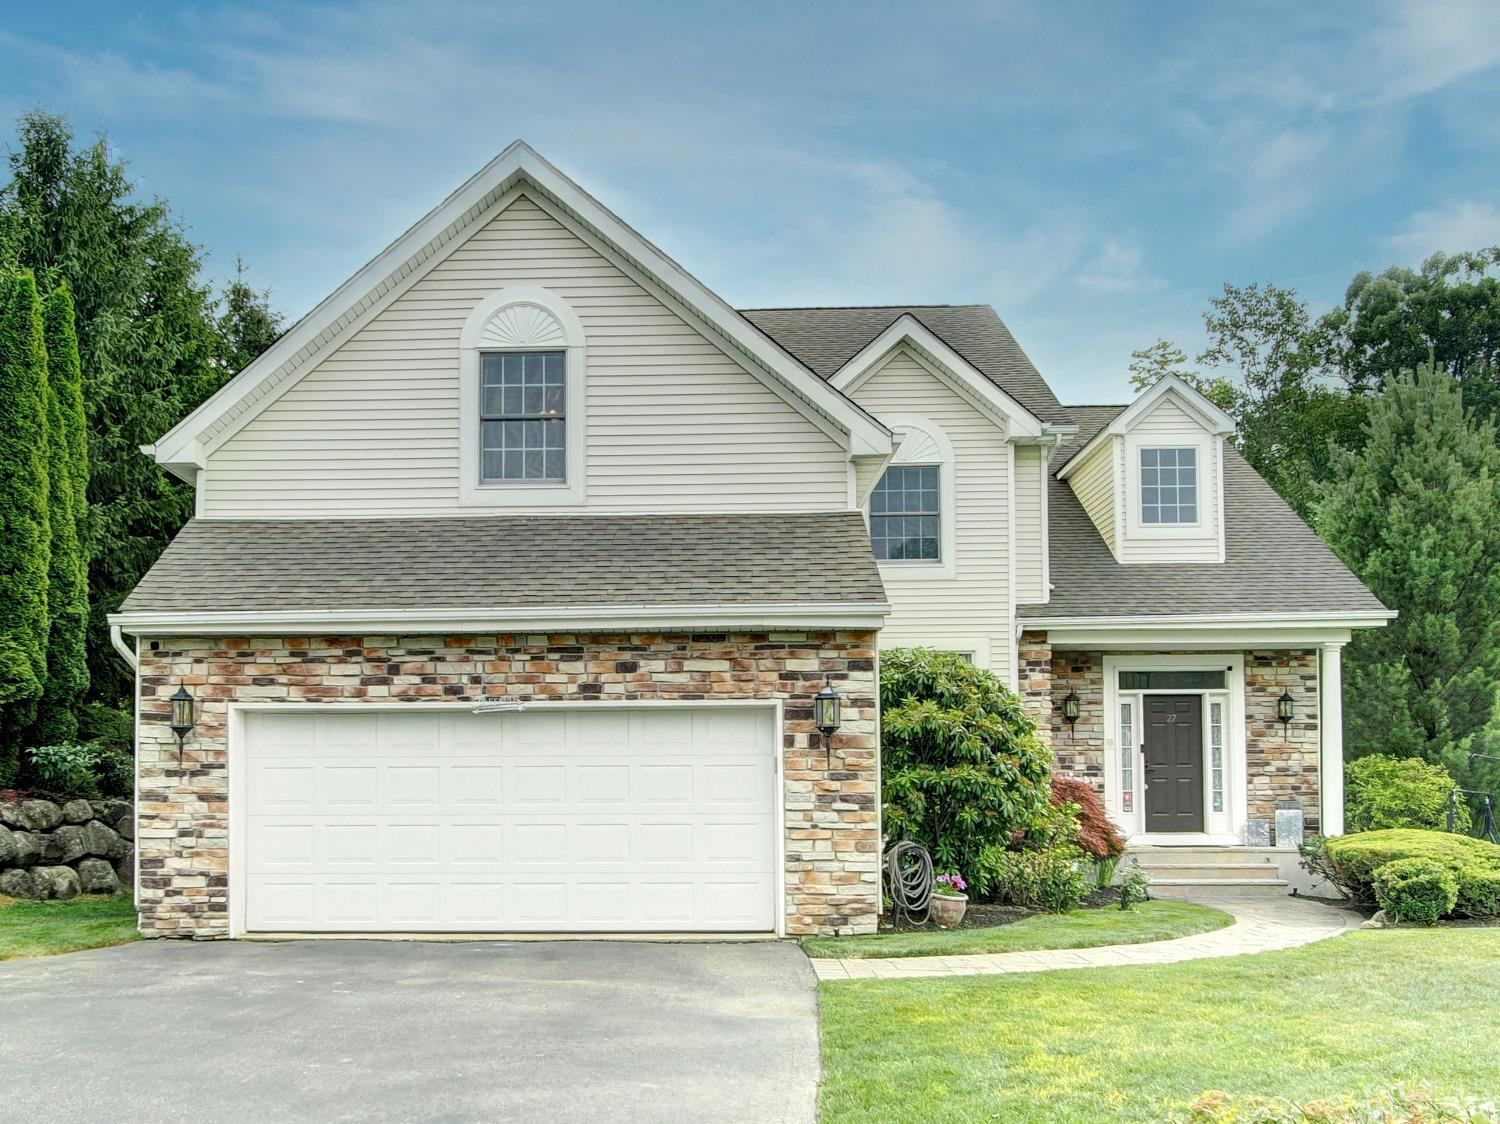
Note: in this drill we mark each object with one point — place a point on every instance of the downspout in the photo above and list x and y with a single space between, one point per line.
127 653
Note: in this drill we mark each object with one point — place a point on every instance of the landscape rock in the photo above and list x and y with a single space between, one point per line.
52 847
19 884
7 847
104 841
108 811
97 876
10 815
64 879
40 815
125 826
77 811
28 848
125 868
1379 921
72 843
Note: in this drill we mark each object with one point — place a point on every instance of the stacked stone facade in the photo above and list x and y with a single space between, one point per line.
1281 763
832 846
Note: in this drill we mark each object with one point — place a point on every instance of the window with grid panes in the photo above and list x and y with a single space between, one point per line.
905 515
1169 486
522 417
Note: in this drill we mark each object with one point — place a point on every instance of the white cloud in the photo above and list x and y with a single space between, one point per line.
1466 225
1117 269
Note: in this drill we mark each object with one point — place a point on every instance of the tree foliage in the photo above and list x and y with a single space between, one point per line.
961 764
68 589
25 539
153 342
1416 514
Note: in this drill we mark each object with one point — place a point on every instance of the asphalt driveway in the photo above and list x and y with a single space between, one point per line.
372 1030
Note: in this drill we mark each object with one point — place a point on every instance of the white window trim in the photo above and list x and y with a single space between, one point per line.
1205 469
473 491
1226 827
923 442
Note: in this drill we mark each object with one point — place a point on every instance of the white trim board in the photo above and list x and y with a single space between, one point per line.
1213 419
183 447
865 616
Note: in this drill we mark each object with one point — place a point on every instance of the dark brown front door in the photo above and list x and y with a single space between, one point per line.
1174 763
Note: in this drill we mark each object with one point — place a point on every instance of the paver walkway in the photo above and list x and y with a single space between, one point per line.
1261 923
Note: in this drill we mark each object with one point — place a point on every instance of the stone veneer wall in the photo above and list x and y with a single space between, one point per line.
1282 766
832 843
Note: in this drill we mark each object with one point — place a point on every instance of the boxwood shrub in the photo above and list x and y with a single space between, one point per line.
1474 864
1416 890
1386 792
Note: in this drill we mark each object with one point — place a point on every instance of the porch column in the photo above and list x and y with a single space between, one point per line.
1331 731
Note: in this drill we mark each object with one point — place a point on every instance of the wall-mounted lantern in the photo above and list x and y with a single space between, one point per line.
1284 711
1071 708
828 717
182 719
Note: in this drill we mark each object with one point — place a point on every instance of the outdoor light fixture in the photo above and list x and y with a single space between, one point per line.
1284 710
827 707
1070 710
182 719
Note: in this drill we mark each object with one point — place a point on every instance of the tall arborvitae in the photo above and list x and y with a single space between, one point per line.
68 583
25 540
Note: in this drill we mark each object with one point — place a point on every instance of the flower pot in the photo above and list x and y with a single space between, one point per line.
948 909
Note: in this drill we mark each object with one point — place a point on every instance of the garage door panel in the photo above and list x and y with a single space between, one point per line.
634 820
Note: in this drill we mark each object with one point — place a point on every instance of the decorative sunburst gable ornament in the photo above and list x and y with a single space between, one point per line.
523 325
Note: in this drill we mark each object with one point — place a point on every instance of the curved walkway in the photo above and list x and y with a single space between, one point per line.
1261 923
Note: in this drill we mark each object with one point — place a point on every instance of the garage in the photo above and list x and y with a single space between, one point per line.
559 818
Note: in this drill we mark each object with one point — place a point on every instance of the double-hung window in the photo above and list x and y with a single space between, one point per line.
1169 486
522 417
905 514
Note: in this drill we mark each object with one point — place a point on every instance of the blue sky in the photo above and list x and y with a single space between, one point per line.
1094 170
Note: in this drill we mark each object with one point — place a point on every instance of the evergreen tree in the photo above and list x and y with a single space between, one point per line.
1416 514
24 534
68 590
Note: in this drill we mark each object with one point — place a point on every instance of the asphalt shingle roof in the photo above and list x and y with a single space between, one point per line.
1274 562
824 339
512 561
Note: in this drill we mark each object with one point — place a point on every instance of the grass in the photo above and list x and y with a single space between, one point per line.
47 928
1082 928
1354 1015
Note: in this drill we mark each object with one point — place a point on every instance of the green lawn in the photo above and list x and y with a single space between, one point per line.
1353 1015
1082 928
45 928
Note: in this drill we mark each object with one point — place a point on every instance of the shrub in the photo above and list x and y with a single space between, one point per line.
1135 887
66 768
1052 879
1388 792
963 768
1097 834
1416 890
116 773
1473 863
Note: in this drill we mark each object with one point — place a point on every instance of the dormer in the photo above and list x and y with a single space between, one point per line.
1152 480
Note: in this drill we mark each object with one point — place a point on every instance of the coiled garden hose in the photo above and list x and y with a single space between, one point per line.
908 876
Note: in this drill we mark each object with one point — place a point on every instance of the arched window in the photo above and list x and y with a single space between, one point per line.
521 408
911 506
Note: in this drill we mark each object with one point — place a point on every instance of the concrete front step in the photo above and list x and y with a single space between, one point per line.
1198 856
1187 887
1254 872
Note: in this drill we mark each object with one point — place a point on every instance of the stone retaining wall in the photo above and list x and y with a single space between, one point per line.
52 849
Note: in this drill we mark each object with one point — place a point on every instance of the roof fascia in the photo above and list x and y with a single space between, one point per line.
853 615
1213 419
181 444
943 360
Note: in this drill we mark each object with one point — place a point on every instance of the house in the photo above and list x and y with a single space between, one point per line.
518 565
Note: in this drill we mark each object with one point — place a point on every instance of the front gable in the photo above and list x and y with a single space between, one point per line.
369 302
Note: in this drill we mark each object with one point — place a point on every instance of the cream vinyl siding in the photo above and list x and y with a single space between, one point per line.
1168 425
1031 586
673 422
1094 483
969 611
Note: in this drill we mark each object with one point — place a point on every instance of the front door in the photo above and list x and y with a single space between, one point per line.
1173 762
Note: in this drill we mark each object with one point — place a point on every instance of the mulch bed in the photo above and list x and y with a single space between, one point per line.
987 915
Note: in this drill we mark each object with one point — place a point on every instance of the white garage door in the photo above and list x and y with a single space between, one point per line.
549 820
